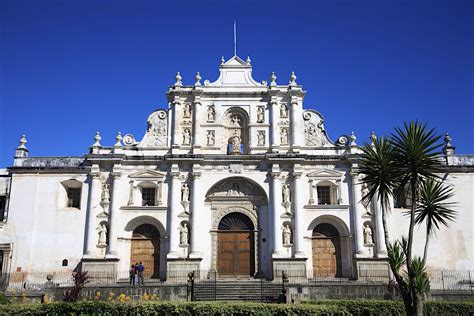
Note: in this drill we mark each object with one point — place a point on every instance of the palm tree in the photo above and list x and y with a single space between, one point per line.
433 208
407 159
415 155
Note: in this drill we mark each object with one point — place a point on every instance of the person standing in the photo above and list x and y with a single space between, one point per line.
140 269
132 272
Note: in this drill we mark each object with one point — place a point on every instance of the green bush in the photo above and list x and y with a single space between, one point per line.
375 307
449 308
3 299
366 307
170 309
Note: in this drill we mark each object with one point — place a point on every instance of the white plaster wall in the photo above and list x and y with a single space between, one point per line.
44 234
450 248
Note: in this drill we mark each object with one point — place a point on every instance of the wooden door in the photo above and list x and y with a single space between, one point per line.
145 248
235 253
326 249
235 246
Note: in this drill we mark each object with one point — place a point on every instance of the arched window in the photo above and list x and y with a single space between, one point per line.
326 192
70 196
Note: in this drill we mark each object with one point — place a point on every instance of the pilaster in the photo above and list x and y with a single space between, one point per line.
114 216
91 211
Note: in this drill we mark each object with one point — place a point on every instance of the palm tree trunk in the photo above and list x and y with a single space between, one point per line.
425 251
411 276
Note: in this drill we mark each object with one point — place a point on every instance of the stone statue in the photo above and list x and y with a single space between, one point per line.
183 235
102 235
187 111
286 235
210 138
284 136
286 193
105 195
211 114
236 144
365 192
283 110
368 235
261 138
187 137
235 121
184 192
260 114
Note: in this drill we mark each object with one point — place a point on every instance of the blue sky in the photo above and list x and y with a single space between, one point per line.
71 68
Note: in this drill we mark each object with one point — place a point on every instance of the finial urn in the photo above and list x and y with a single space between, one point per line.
373 138
273 79
97 139
197 79
178 79
353 139
293 79
248 61
118 139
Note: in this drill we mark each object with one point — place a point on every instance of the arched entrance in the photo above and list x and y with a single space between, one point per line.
235 246
326 250
145 248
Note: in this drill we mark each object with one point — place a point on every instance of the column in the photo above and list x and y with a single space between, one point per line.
176 137
174 206
195 206
91 214
274 133
275 211
196 137
298 211
379 234
294 124
114 218
357 212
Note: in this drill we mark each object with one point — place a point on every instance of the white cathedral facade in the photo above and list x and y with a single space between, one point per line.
234 176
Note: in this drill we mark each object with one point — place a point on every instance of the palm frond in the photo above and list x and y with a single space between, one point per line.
433 208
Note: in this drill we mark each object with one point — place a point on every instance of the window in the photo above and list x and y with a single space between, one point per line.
402 198
65 263
324 194
3 205
148 196
74 197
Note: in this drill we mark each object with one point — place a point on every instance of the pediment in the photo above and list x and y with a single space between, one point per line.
235 72
147 174
325 174
236 61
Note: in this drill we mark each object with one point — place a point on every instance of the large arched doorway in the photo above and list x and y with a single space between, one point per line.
145 248
326 250
235 246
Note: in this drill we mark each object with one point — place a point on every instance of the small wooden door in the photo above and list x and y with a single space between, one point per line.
326 246
235 249
145 248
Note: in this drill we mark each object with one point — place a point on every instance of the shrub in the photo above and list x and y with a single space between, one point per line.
170 308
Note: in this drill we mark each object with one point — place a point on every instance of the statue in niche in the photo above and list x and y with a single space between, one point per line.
286 193
284 136
235 144
365 203
211 114
184 192
102 235
261 138
286 235
234 190
260 114
283 110
210 138
368 235
105 195
235 121
187 111
183 234
187 137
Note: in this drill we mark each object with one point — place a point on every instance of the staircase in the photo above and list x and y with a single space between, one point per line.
237 290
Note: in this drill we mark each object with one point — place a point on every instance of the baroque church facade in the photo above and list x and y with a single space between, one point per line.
235 176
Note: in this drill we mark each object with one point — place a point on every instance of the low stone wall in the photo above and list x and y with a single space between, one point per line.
170 292
344 290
